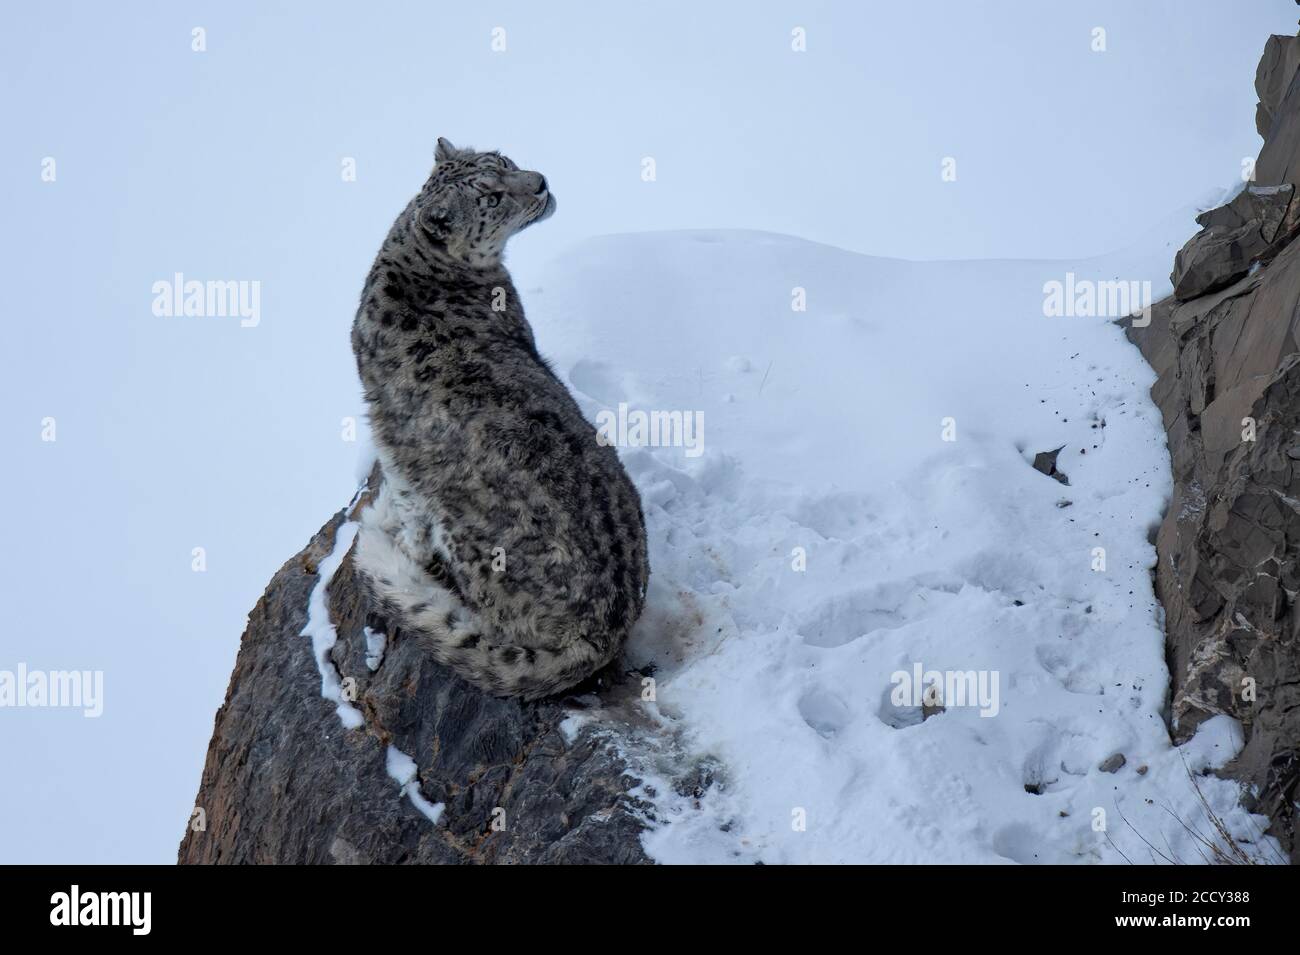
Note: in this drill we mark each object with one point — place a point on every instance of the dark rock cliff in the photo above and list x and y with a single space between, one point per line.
286 782
1226 348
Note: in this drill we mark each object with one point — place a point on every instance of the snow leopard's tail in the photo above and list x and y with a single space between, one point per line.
456 635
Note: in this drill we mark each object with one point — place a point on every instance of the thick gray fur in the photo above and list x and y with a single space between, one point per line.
505 534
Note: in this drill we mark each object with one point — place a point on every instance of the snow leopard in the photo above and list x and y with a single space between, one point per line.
504 535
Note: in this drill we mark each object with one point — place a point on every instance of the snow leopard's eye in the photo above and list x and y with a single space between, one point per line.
492 200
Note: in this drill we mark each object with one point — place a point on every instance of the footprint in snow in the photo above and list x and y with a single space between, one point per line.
824 712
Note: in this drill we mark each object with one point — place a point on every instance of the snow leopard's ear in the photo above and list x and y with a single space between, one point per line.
444 151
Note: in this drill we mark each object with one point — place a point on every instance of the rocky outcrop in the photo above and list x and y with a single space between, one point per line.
1272 79
285 781
1226 348
1235 238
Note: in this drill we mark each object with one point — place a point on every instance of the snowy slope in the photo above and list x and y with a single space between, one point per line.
828 537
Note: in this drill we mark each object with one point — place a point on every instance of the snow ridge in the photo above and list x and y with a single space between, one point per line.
865 506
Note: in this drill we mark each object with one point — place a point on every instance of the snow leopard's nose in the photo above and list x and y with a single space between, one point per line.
528 183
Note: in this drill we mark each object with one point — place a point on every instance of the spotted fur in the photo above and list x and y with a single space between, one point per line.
505 534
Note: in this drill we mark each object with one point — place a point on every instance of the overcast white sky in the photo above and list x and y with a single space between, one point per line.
226 164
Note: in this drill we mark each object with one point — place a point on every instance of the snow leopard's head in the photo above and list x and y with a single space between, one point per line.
474 202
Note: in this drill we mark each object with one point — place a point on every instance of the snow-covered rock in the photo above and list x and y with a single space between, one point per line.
864 508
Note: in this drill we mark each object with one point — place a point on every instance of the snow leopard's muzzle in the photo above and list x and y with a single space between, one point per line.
532 189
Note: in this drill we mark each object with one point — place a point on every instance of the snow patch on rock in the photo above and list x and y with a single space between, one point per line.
321 629
403 770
